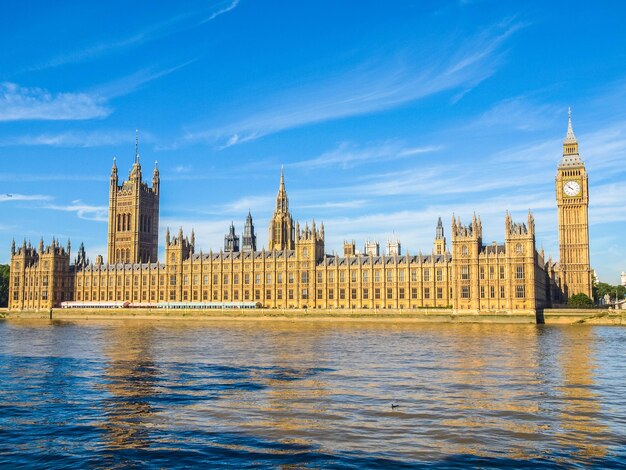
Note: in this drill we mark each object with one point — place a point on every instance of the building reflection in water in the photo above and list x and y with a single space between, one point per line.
493 370
130 380
581 427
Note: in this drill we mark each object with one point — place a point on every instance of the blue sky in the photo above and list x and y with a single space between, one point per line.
385 115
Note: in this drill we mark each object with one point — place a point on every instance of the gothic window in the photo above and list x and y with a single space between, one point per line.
465 292
464 250
342 276
519 272
465 272
389 276
320 277
520 292
502 292
401 293
518 249
389 293
414 293
439 274
426 275
439 293
365 276
305 277
413 275
353 276
426 292
365 294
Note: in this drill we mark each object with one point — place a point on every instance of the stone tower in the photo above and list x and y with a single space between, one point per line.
466 246
440 239
231 241
282 231
572 197
133 216
248 239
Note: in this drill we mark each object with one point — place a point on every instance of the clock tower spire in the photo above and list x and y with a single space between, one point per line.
572 196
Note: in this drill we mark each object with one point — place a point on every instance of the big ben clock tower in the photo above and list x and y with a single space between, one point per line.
572 198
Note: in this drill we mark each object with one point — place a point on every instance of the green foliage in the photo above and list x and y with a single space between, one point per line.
580 301
602 288
4 285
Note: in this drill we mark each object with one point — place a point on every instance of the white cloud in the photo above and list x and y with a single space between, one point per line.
23 197
348 155
369 88
83 211
19 103
153 32
83 139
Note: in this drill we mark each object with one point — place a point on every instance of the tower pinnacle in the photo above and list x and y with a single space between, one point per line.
570 145
137 146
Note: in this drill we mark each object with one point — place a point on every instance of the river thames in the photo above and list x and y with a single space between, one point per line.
297 394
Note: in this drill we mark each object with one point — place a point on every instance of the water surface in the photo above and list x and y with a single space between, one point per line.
245 394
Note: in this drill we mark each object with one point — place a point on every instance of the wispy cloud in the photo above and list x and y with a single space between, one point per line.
82 210
132 82
519 113
348 155
19 103
173 25
77 139
369 88
23 197
29 177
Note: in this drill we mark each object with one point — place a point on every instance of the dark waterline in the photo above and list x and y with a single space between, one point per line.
248 394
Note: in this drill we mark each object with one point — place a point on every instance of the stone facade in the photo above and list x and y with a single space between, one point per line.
296 272
133 216
572 195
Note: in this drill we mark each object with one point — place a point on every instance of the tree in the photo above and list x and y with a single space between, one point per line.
580 301
4 285
602 288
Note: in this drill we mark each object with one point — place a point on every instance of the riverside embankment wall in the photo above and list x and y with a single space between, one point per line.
426 315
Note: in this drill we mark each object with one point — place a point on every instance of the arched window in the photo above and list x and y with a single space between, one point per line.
518 248
119 223
464 250
128 255
117 253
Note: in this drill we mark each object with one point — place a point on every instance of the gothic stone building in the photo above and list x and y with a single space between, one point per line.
296 272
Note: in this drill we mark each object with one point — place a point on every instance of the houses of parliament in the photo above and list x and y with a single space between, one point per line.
295 271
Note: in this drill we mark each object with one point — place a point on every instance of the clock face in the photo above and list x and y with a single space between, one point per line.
571 188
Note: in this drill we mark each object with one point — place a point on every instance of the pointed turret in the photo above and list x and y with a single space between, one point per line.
440 239
571 157
231 240
135 173
114 176
248 242
13 247
156 180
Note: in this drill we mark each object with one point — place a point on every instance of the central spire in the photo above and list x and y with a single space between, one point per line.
282 202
